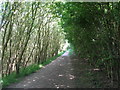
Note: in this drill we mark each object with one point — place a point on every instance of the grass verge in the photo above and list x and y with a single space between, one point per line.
70 51
13 77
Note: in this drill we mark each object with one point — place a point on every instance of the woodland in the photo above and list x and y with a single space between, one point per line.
32 32
93 29
29 35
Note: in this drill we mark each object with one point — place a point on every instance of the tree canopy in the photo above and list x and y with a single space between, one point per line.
93 29
32 32
30 35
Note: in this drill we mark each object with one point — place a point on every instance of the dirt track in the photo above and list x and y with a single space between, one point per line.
64 72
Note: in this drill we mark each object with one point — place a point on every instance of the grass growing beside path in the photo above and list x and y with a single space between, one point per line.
13 77
70 51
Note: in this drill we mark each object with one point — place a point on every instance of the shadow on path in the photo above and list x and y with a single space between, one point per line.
64 72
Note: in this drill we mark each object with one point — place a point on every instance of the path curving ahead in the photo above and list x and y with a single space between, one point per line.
63 72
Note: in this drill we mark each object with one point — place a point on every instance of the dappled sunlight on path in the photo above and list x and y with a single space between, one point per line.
64 72
58 74
66 53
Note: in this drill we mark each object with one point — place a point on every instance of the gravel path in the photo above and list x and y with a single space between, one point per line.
63 72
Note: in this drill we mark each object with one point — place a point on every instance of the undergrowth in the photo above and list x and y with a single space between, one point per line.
13 77
71 51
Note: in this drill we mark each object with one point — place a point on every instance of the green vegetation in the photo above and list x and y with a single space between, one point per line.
13 77
71 51
51 59
33 32
93 29
30 35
